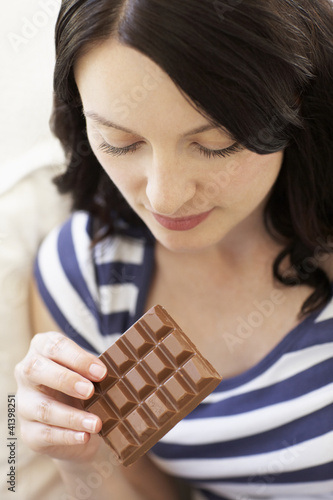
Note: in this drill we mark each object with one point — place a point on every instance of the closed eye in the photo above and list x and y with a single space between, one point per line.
209 153
112 150
220 153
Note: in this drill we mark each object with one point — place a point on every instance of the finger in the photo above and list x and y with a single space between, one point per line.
40 436
40 371
45 410
63 350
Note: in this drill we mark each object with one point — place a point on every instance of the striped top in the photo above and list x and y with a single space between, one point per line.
264 434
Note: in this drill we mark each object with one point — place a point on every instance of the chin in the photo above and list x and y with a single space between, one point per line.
184 242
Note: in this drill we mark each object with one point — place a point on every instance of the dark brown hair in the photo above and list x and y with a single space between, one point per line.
263 69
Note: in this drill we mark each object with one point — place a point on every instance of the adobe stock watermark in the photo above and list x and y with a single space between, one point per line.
267 134
264 309
101 471
83 150
212 189
288 455
126 103
222 7
246 326
122 107
295 274
220 180
31 26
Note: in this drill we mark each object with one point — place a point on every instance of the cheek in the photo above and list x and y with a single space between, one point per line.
223 181
249 177
129 185
126 181
262 171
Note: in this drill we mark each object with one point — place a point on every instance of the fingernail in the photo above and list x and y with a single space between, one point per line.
83 388
97 371
89 424
79 436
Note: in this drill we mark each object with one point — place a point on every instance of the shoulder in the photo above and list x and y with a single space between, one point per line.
69 247
90 290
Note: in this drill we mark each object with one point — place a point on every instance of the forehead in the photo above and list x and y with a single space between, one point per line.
114 59
122 84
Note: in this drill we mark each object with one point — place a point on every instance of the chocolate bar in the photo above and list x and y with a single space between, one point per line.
156 376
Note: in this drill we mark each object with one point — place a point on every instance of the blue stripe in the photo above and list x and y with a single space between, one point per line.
145 280
115 273
324 334
302 383
68 260
263 365
54 310
290 343
296 432
211 496
115 323
139 276
89 224
320 473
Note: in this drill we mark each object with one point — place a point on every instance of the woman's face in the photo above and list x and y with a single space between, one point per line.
187 180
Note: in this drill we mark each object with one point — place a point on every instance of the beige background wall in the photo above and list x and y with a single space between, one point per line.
29 208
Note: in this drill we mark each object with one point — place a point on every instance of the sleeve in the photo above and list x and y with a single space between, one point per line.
65 275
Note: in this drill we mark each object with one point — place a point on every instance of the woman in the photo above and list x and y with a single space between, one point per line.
199 137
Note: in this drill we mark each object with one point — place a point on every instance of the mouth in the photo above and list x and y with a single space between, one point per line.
181 223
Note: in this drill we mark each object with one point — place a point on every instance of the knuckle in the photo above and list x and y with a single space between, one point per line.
63 379
54 345
79 359
67 437
47 435
44 411
31 366
72 419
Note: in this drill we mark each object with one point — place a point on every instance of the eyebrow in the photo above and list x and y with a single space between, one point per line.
107 123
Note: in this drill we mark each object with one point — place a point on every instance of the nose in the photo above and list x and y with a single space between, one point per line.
169 186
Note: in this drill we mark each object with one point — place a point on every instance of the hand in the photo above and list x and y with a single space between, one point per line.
51 378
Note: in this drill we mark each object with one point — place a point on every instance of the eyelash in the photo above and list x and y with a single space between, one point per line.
209 153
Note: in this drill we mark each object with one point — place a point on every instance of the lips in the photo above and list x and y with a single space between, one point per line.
181 223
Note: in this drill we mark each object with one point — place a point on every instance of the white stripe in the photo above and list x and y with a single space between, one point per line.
267 489
311 453
120 249
64 295
111 298
327 313
287 366
118 298
110 339
217 429
83 252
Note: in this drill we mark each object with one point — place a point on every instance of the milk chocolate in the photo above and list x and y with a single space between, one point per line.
156 376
